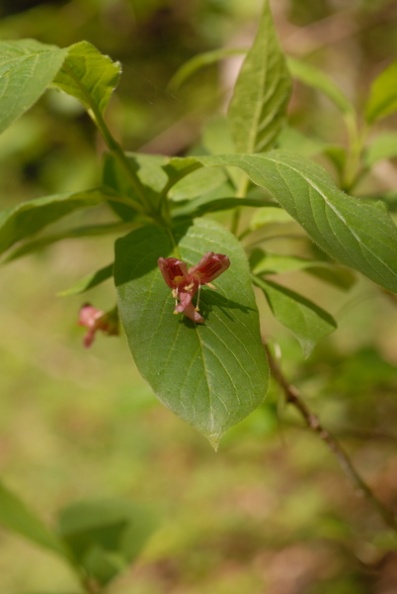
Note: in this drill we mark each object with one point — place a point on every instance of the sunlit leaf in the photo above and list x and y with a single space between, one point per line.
383 95
304 318
198 183
356 233
89 76
27 67
214 374
261 93
267 263
291 139
382 147
27 218
268 215
28 247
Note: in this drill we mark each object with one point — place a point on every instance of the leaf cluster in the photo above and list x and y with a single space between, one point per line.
213 375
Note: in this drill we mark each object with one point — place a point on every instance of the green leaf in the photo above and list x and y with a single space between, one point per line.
150 172
314 77
197 183
89 282
356 233
258 105
27 67
177 169
203 205
291 139
217 136
388 198
24 220
338 276
105 536
267 263
383 95
28 247
305 319
212 375
217 139
382 147
89 76
269 215
17 517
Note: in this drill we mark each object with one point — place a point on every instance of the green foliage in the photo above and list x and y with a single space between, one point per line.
27 67
314 77
212 375
15 516
89 76
28 218
104 537
99 539
340 225
382 147
304 318
258 105
383 95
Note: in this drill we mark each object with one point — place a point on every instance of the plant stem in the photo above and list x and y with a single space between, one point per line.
293 397
120 155
356 139
95 114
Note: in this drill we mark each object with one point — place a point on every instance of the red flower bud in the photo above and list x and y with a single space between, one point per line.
94 319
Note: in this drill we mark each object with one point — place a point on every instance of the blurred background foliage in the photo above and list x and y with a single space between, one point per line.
271 512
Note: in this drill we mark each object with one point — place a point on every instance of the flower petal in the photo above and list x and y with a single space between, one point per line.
174 271
210 267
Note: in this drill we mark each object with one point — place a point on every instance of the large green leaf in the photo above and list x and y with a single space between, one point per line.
17 517
89 76
104 536
27 67
356 233
260 97
383 95
28 218
214 374
304 318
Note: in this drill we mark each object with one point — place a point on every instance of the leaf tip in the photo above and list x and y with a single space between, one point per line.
214 440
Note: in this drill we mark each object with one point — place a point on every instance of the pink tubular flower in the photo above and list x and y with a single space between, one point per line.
185 283
94 319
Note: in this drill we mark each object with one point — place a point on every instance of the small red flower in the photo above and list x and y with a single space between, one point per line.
185 283
94 319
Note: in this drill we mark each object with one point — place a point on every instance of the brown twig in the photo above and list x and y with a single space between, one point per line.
294 398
